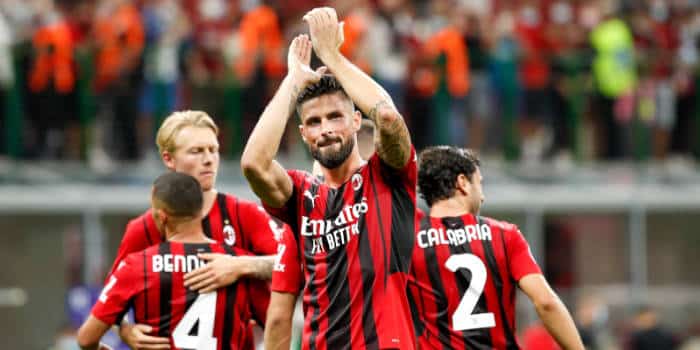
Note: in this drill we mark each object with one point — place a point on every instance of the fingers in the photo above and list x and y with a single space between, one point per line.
210 288
304 51
146 342
313 18
154 347
209 283
209 256
198 275
144 328
330 16
150 340
294 46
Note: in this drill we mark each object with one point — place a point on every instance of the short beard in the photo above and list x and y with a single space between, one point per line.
335 159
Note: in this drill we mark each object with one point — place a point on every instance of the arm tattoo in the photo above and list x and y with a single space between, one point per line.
374 112
393 140
261 267
394 144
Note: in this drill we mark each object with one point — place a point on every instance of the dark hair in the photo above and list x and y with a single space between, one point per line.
328 84
439 168
179 194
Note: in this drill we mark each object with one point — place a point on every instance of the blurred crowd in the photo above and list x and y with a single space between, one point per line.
526 80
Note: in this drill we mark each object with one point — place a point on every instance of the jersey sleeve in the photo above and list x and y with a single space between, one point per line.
137 237
115 298
520 259
286 272
408 175
258 227
287 213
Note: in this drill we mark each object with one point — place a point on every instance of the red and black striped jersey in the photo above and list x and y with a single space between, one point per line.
463 279
152 282
353 245
231 221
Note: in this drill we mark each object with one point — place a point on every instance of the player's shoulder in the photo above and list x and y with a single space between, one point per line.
245 206
137 223
134 261
302 176
503 226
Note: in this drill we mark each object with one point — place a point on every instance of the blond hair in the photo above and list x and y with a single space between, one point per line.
175 122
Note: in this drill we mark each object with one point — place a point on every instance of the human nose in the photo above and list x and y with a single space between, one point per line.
326 127
208 157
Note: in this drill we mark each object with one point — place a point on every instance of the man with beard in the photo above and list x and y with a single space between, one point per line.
352 230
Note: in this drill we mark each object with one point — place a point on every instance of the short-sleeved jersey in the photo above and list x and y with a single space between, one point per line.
353 246
463 279
151 281
231 221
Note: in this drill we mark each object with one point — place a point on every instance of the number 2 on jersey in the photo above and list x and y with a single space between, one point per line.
203 309
463 319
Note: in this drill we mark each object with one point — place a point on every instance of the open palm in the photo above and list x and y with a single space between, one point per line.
298 60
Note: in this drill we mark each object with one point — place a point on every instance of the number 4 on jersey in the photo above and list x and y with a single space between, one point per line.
463 319
203 310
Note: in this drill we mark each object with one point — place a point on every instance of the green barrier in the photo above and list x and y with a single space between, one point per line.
232 118
511 142
576 72
14 114
641 137
161 110
696 140
441 106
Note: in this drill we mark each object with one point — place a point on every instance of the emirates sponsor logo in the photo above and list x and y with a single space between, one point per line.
331 233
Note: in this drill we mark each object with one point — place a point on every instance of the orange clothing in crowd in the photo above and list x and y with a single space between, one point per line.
53 63
261 39
354 30
120 36
449 42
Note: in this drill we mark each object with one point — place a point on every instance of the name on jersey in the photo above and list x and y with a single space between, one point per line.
175 263
435 236
331 233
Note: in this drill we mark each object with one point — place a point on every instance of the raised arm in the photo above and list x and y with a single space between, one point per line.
552 312
393 142
267 177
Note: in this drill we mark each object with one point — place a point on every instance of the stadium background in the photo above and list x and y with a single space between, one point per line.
586 115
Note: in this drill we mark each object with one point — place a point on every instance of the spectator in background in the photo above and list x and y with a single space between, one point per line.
570 67
119 38
665 45
261 64
692 341
166 28
614 73
51 101
210 63
648 333
480 98
448 52
536 337
7 75
387 47
534 73
591 318
685 79
357 19
504 75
